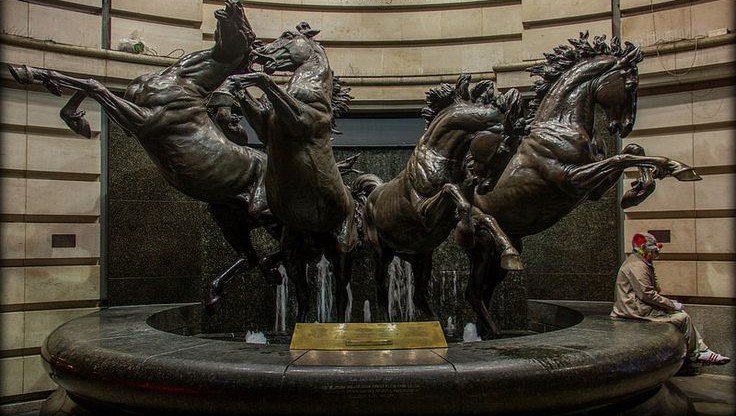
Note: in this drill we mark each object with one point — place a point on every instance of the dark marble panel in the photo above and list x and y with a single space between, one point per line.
152 290
570 286
132 174
153 238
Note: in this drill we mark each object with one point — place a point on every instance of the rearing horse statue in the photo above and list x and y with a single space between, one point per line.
166 112
411 215
562 162
303 184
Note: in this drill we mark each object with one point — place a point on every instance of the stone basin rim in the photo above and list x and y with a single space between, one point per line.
114 357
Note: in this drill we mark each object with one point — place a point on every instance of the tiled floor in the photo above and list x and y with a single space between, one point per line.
712 395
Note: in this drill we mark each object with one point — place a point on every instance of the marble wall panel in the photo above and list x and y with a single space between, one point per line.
11 376
379 26
714 105
11 330
38 324
12 281
63 154
717 278
684 21
163 38
716 192
178 9
682 233
441 60
670 195
35 376
64 26
541 10
12 150
19 55
461 23
714 147
401 61
53 197
677 146
90 67
62 283
13 196
13 107
715 235
420 25
12 240
664 110
43 111
38 240
129 70
677 278
502 19
537 41
18 25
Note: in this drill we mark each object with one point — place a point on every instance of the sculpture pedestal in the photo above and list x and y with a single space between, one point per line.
130 360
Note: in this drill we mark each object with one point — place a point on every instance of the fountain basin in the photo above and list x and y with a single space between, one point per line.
143 360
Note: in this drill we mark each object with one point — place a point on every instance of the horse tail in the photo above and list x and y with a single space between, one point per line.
364 184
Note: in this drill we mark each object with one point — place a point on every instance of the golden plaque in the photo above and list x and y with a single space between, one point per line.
368 336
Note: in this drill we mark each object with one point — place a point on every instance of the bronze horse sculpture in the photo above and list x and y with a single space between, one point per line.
562 162
304 187
166 112
412 214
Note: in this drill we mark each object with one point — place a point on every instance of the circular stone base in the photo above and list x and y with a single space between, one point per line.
114 359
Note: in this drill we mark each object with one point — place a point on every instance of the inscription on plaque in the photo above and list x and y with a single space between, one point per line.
63 240
368 336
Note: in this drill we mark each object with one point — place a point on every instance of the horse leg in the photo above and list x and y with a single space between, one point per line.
510 258
382 259
435 209
590 176
128 115
236 231
74 117
421 265
287 107
341 266
482 257
641 188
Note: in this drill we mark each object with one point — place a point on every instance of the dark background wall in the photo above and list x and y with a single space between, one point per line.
164 248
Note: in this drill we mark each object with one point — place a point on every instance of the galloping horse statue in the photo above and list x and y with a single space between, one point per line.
412 214
166 112
303 184
562 162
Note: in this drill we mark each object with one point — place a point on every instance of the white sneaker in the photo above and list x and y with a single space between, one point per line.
710 357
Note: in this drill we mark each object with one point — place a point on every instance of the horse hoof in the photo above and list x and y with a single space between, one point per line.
511 262
686 174
21 73
77 123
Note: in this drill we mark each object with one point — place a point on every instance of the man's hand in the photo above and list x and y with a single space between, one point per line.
678 306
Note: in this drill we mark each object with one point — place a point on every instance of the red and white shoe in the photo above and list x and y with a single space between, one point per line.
710 357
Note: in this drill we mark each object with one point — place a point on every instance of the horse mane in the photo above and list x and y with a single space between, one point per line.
340 100
565 57
445 95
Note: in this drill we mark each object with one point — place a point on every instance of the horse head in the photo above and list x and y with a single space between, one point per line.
569 73
233 35
617 91
289 51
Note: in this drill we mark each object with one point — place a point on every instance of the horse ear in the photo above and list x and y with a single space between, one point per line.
306 30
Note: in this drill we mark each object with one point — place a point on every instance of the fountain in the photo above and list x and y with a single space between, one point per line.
188 359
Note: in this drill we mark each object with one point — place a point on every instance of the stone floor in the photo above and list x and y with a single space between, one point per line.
712 395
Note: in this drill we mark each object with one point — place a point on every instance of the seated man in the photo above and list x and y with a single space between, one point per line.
637 296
